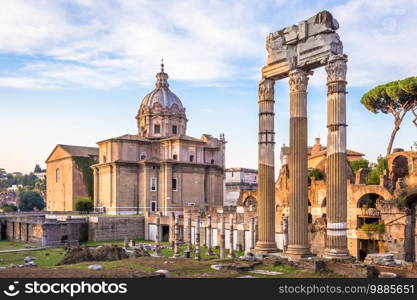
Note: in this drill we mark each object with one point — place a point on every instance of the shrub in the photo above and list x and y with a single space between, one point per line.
84 204
373 227
29 200
9 207
316 174
377 171
359 164
401 201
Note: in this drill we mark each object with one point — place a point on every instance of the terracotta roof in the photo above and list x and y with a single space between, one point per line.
183 137
324 151
80 151
133 137
75 151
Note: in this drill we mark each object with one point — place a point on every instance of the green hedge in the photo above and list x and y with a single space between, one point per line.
84 204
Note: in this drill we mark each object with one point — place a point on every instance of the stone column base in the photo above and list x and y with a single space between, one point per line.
298 251
336 254
265 247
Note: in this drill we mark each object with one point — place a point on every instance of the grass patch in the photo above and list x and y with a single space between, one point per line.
203 252
279 268
12 245
112 242
45 258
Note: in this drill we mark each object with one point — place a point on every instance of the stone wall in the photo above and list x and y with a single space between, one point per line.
116 228
45 232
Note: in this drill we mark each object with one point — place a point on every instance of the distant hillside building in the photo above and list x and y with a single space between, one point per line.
238 180
317 155
67 181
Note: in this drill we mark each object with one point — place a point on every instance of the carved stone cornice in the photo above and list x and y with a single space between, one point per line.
336 68
266 89
298 80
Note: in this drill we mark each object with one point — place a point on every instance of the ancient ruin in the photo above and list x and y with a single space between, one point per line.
294 52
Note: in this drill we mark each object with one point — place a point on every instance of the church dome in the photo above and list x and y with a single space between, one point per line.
161 113
162 94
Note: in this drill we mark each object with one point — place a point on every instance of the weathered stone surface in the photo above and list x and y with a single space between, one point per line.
139 252
387 275
274 261
307 45
320 266
29 258
101 253
265 272
372 272
95 267
164 273
380 259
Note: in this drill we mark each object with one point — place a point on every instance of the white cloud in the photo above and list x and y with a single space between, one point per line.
105 44
380 39
197 39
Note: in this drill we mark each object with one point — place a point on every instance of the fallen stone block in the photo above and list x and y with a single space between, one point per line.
372 272
165 273
265 272
95 267
387 275
217 267
29 258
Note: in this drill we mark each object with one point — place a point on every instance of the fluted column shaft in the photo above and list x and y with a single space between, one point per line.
231 240
298 245
158 234
266 187
176 237
197 238
336 175
209 236
222 237
189 232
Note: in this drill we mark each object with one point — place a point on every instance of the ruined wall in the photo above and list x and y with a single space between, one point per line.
64 232
116 228
45 232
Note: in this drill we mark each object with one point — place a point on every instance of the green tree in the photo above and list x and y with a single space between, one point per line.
316 174
359 164
377 171
29 200
37 169
9 207
395 98
84 204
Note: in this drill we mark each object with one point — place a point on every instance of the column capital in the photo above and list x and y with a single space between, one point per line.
336 68
266 89
298 80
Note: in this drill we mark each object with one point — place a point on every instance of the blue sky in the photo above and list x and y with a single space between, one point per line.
74 72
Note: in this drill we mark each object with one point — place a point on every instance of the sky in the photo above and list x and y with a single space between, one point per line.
75 71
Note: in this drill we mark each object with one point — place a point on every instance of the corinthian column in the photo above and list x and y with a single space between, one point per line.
298 245
266 187
336 177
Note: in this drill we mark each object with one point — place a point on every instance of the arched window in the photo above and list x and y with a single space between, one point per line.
191 158
58 175
175 157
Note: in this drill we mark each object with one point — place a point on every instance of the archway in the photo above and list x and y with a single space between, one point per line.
399 168
369 200
410 229
369 218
